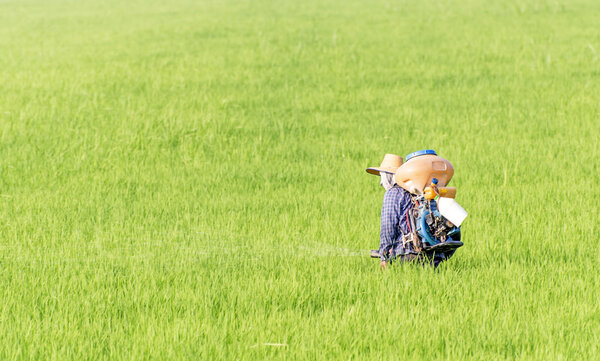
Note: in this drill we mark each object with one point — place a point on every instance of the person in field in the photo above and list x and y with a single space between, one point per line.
397 203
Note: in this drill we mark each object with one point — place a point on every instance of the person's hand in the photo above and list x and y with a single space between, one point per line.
383 265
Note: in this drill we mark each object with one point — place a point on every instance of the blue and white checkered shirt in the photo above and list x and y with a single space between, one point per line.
394 222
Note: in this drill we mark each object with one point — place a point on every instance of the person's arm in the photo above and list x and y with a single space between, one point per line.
405 205
389 223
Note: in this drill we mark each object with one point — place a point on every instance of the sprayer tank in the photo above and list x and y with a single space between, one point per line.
420 168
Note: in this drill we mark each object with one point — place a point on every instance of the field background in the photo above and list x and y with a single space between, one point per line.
185 179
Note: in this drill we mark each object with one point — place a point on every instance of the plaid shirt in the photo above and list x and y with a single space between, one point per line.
394 222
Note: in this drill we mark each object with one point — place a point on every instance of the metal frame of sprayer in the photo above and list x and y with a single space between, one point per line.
427 217
431 231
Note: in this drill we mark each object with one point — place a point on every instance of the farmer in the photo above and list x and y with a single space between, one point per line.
394 217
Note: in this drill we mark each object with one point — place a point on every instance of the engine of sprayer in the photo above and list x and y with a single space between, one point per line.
430 225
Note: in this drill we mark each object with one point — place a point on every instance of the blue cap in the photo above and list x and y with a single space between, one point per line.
420 152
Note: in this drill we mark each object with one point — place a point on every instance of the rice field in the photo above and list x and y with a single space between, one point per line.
184 180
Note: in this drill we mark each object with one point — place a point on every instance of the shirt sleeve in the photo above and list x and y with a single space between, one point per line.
405 205
390 217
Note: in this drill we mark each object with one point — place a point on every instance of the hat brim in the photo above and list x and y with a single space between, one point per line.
376 171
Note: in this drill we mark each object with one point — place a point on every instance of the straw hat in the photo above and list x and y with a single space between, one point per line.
390 164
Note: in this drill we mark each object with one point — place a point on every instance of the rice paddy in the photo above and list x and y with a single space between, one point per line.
185 179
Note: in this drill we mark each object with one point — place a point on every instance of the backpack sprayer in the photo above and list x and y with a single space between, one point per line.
434 224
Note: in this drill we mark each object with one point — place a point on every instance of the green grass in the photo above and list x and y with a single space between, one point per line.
185 180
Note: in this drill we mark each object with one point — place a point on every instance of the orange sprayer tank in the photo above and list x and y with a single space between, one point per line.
420 168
